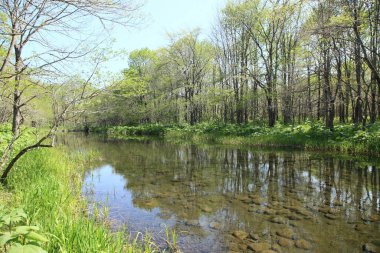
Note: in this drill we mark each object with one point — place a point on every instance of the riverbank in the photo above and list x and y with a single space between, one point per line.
46 184
346 138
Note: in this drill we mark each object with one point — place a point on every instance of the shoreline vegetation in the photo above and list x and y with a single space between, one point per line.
46 186
43 209
310 136
46 183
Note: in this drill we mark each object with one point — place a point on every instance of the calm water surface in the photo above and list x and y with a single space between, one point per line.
223 199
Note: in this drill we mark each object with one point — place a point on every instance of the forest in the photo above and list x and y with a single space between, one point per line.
280 61
265 62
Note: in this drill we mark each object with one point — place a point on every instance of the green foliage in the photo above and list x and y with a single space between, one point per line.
47 184
5 135
27 137
137 77
17 236
171 240
133 84
141 59
310 135
141 130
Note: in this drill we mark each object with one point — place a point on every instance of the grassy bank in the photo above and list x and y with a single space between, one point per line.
46 184
346 138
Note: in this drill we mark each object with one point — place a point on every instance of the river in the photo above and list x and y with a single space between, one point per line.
235 199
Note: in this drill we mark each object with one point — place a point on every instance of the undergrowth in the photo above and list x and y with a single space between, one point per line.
46 184
348 138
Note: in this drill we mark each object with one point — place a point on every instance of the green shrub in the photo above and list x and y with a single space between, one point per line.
46 183
17 235
309 135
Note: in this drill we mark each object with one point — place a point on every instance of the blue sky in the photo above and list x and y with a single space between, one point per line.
162 17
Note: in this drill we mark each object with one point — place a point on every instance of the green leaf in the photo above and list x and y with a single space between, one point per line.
19 213
22 230
36 237
6 237
18 248
6 219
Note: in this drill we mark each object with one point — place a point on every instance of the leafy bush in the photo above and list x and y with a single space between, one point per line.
149 130
310 135
17 236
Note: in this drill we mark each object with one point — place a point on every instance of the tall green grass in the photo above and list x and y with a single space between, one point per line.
47 183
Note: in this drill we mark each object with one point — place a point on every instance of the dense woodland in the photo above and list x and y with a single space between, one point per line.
265 61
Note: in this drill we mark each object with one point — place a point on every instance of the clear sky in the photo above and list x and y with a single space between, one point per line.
166 16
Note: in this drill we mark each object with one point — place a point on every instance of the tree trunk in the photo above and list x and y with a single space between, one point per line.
16 115
271 112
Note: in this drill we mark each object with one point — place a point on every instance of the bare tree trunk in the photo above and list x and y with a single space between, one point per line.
16 115
309 102
329 100
358 116
319 94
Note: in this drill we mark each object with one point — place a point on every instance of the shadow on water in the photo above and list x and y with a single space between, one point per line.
222 199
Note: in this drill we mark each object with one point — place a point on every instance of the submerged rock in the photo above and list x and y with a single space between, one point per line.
361 227
277 248
242 247
294 217
372 218
303 244
253 236
334 211
206 209
283 212
193 223
275 203
260 211
233 247
324 210
338 203
371 248
286 233
247 201
269 211
243 198
278 220
215 225
240 234
301 211
151 203
283 242
258 201
259 247
331 216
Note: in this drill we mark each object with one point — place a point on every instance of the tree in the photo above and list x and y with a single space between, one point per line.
191 60
267 61
34 24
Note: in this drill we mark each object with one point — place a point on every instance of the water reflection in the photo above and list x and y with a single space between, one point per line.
238 200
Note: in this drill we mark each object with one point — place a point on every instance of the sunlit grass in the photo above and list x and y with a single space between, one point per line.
47 183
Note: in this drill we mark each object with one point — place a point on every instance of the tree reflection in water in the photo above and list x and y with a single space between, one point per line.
210 192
